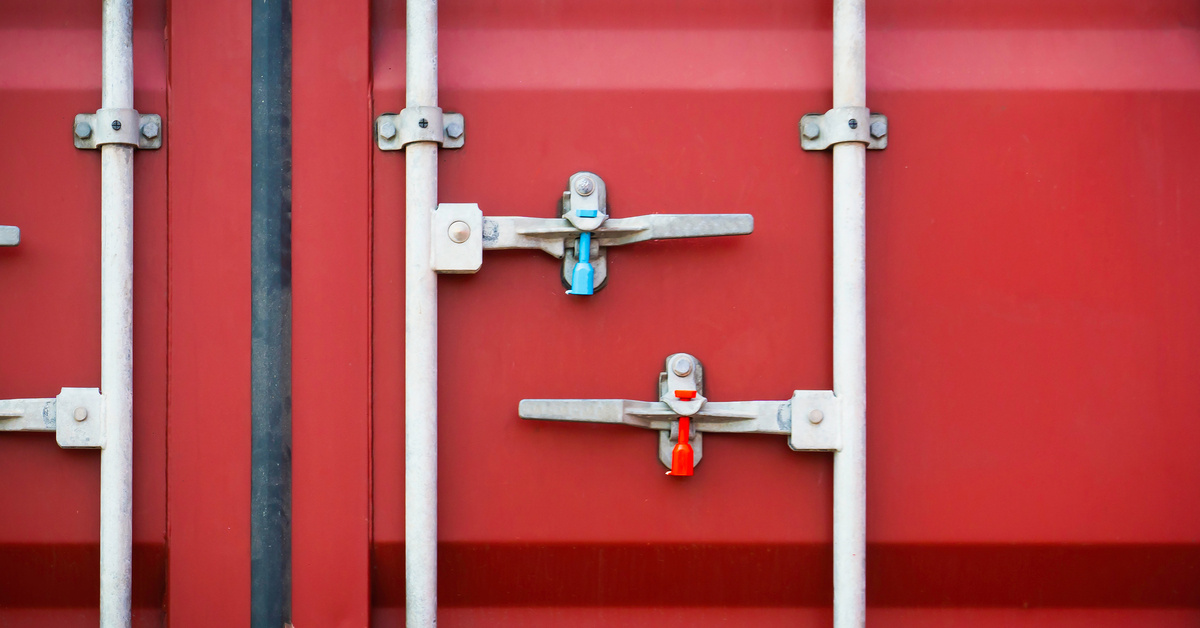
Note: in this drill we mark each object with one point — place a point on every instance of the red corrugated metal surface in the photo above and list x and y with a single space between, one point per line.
1033 314
50 319
1032 303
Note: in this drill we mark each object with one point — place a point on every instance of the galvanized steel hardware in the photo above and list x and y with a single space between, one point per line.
583 223
118 126
10 236
819 131
76 416
683 406
393 131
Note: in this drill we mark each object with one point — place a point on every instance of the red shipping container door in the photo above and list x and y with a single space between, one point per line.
1032 314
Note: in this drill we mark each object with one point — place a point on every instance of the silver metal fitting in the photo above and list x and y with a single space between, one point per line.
117 126
10 236
819 131
585 186
394 131
682 365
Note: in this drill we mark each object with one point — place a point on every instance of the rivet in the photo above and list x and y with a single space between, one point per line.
459 232
682 366
816 416
585 186
80 413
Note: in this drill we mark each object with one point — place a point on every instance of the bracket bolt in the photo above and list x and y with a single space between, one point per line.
116 125
878 129
80 414
816 416
682 366
459 232
150 130
853 123
585 186
811 130
83 130
423 123
454 129
387 130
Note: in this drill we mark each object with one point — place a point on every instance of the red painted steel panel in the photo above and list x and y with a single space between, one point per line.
1032 300
50 324
331 304
209 438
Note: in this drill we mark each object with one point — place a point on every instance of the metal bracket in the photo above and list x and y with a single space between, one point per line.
118 126
815 428
819 131
393 131
583 210
76 416
10 236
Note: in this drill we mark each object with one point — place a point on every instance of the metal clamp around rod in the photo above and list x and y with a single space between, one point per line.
118 126
819 131
681 398
394 131
461 232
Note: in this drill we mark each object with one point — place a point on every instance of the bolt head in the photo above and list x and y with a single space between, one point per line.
423 123
584 186
387 130
816 416
150 130
116 125
80 414
878 129
454 129
459 232
682 366
83 130
853 123
812 130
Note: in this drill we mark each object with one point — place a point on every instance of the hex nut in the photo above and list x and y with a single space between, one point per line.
682 366
80 414
83 130
454 129
878 128
812 130
816 416
387 130
150 130
585 186
459 232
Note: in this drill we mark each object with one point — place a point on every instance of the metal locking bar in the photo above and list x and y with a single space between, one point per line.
681 396
461 232
76 416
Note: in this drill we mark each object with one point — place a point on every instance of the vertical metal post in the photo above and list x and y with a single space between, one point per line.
420 329
116 325
849 323
271 314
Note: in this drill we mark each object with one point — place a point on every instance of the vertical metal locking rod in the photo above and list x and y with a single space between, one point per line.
850 322
420 328
116 326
